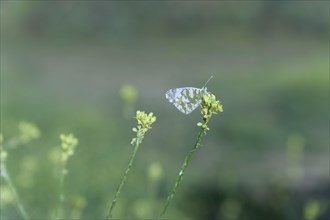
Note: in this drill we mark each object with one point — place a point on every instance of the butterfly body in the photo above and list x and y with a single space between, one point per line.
186 99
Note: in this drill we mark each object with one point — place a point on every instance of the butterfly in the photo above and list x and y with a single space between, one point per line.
186 99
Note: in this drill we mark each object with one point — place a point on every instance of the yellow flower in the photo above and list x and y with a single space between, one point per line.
210 105
144 124
144 120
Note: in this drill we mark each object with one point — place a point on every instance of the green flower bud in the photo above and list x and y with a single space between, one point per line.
128 94
155 171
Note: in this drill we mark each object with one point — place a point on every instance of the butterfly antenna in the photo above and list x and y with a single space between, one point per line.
207 82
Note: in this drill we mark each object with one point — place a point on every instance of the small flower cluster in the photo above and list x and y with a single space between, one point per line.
144 124
210 105
68 144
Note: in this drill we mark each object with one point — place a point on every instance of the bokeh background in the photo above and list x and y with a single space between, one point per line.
85 67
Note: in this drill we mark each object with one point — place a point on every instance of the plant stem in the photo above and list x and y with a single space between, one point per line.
60 194
123 179
184 166
7 178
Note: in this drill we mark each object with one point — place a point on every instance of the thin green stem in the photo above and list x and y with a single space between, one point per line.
123 179
182 171
7 178
60 198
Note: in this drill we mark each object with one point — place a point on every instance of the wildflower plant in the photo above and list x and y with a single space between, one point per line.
144 122
209 106
27 133
5 175
68 145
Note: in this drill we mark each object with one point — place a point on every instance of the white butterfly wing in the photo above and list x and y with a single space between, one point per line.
185 99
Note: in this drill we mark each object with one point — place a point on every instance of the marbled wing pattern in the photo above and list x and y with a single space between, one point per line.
185 99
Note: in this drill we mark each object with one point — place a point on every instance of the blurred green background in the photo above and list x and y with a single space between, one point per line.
64 63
